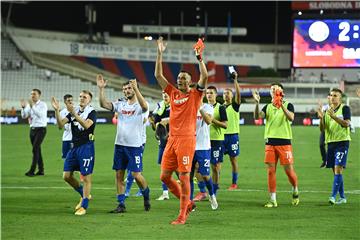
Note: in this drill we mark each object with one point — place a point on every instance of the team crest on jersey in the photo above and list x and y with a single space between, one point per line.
181 100
129 113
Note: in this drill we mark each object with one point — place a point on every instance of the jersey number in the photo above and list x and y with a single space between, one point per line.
186 160
87 161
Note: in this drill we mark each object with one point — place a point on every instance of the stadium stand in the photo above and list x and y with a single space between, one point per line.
17 84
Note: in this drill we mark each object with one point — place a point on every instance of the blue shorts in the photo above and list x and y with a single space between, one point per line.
160 154
66 146
203 158
217 152
337 154
129 158
231 145
81 159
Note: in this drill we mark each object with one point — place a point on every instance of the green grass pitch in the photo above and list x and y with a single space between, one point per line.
42 207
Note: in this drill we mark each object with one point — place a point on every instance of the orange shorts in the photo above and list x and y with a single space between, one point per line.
178 153
284 153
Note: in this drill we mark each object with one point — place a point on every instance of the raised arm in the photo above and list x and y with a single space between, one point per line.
60 121
237 89
199 48
139 96
101 83
257 114
162 81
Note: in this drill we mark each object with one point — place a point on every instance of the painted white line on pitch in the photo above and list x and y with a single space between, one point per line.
357 192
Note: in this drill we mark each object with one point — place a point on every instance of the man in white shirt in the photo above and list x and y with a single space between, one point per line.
129 139
201 161
36 112
67 135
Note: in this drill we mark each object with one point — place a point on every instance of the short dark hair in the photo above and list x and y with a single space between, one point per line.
66 96
128 82
336 90
87 92
183 71
212 87
277 84
37 90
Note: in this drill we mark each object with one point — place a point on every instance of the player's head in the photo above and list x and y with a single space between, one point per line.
68 98
35 94
211 93
335 96
275 86
183 81
228 95
165 97
128 90
85 98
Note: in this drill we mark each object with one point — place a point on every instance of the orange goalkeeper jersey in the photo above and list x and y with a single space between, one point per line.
183 110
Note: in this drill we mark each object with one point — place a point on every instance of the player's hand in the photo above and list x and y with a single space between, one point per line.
234 76
319 110
256 96
55 103
199 48
133 84
70 108
331 113
31 103
23 103
161 45
101 82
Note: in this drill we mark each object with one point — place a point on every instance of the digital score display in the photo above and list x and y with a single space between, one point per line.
326 43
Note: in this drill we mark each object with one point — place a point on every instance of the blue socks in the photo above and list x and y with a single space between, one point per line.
341 186
164 187
121 199
336 184
201 185
209 186
85 203
79 190
234 177
146 193
191 189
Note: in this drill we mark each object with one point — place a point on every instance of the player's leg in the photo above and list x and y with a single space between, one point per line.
322 149
204 171
231 145
85 155
287 160
340 164
217 154
168 166
185 149
270 161
70 165
120 163
165 193
135 165
201 184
